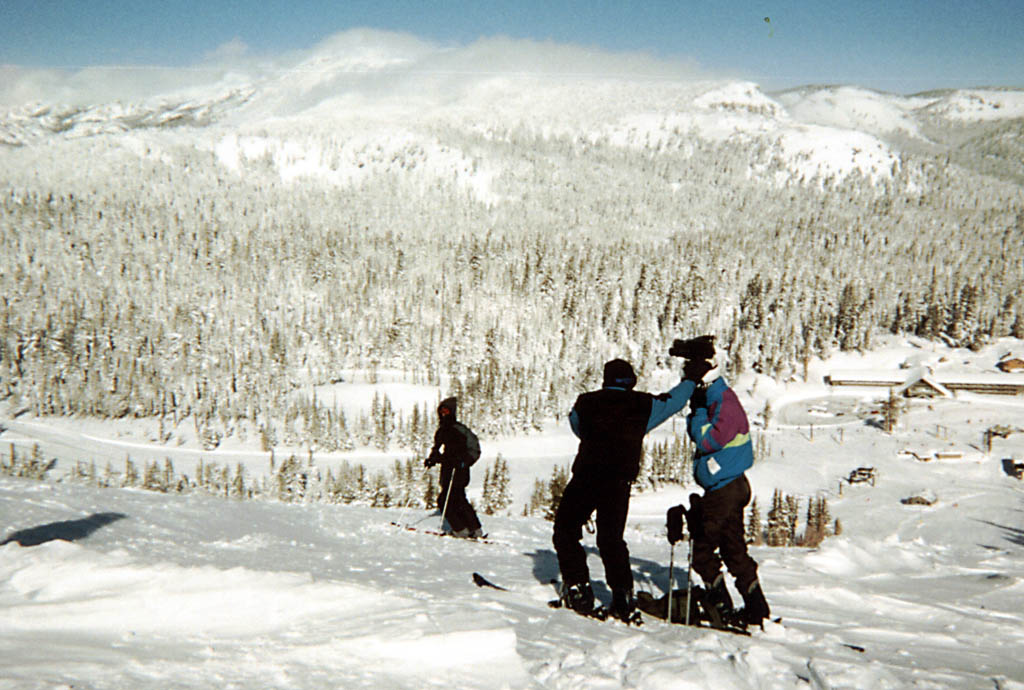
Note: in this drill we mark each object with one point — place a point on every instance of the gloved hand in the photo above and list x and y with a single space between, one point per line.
694 369
431 461
695 517
699 398
674 522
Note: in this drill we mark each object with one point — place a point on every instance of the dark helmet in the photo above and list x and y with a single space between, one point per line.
619 373
447 409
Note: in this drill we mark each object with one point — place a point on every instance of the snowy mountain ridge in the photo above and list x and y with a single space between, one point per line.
368 85
35 123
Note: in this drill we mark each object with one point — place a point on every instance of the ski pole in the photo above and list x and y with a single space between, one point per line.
447 496
671 584
689 578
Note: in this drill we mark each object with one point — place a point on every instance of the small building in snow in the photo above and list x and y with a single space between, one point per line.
921 382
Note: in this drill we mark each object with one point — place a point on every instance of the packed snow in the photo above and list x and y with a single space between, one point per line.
113 588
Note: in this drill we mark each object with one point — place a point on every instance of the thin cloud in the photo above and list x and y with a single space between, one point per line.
363 62
230 52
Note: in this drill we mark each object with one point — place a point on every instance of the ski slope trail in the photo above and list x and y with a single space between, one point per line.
126 588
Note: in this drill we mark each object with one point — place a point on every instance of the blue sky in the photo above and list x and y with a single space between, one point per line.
901 46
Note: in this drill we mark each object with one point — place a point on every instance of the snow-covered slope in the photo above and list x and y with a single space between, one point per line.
36 122
855 109
116 588
973 105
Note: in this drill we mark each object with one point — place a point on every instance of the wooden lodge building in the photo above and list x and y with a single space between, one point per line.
921 383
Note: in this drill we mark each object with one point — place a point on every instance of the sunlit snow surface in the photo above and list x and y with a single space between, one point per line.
364 103
127 588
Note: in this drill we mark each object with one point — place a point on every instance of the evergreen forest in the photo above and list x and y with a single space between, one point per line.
140 277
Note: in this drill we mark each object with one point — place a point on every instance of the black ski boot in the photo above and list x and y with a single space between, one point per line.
718 608
755 607
624 607
579 598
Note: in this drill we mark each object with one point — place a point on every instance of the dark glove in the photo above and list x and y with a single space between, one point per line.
431 461
674 522
694 369
699 399
695 517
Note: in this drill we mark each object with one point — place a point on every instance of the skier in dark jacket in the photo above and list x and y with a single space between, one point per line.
456 448
611 424
718 426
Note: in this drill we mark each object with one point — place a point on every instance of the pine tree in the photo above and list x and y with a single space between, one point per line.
754 534
110 477
814 532
131 475
538 497
169 479
777 523
792 516
430 490
151 478
891 409
488 507
238 483
291 481
556 486
502 484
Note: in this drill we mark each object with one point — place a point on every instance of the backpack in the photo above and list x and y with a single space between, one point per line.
472 446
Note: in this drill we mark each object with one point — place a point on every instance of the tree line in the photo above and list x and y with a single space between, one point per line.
405 485
163 286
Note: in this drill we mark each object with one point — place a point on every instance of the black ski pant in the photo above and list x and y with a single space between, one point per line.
720 536
610 498
459 512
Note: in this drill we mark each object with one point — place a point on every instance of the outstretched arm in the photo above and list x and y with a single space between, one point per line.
667 404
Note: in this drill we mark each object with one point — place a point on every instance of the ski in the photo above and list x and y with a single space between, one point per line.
600 613
702 612
438 533
481 581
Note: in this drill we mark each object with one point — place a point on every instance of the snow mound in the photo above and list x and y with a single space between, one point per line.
740 97
853 108
76 598
974 105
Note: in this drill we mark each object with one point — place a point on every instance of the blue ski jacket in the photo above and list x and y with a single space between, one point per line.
612 422
721 433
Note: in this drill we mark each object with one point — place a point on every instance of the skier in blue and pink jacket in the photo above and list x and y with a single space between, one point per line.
718 426
720 430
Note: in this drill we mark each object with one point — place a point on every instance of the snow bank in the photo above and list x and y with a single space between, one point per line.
69 599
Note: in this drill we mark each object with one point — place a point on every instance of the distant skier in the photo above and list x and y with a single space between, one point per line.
718 426
611 424
456 448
